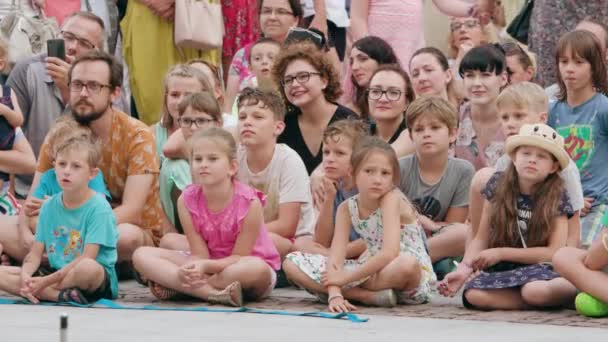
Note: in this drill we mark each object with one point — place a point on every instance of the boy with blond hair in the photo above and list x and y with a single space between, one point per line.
437 183
77 230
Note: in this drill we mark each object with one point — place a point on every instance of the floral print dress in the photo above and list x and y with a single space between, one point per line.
370 229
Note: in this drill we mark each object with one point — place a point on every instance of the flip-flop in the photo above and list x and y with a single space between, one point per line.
72 294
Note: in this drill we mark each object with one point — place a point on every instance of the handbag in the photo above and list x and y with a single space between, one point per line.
199 24
520 25
26 36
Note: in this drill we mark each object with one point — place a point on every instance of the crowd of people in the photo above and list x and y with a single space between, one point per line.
325 147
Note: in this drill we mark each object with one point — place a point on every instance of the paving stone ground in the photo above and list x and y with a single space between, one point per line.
291 299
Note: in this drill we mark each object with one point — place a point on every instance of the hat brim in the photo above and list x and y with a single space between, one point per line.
530 140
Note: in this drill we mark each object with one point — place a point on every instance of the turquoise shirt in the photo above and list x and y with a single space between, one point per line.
64 233
48 185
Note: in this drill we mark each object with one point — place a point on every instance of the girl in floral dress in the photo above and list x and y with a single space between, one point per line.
396 267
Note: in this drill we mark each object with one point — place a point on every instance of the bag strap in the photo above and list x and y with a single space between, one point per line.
88 5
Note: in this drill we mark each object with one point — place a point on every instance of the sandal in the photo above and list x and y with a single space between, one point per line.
232 295
384 298
72 295
161 292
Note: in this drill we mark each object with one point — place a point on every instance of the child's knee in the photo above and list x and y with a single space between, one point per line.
409 270
478 298
141 255
88 269
537 293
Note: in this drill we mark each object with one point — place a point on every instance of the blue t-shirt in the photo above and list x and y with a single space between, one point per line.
48 185
585 132
341 196
64 233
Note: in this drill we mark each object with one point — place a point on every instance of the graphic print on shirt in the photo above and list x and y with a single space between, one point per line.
68 243
578 143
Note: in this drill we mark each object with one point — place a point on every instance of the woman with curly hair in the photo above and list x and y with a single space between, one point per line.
311 85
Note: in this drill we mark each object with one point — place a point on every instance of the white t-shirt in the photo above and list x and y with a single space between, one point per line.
284 180
335 9
570 175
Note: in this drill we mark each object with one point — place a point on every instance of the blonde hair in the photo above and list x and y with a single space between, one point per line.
435 106
489 32
79 143
222 138
64 128
185 71
524 95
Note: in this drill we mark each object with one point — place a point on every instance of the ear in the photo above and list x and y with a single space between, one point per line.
449 76
115 93
530 72
504 80
94 173
543 117
453 133
555 167
279 127
234 167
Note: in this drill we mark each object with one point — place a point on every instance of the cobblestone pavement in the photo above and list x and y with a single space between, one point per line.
442 308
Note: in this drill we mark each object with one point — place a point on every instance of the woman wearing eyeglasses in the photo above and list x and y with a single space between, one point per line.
310 84
388 95
276 18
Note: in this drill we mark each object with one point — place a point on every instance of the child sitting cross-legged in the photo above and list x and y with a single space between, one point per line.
77 230
396 267
523 223
231 255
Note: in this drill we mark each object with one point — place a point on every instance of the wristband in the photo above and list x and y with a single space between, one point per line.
334 297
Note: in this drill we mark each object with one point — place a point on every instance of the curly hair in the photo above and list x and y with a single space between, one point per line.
309 53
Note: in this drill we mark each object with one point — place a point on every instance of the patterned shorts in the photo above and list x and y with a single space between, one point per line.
9 205
313 265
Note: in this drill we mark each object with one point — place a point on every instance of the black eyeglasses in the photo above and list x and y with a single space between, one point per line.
470 23
301 77
92 86
199 122
391 94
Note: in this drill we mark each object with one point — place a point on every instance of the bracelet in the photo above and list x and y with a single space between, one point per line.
334 297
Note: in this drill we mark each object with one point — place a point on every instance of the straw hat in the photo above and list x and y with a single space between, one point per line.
541 136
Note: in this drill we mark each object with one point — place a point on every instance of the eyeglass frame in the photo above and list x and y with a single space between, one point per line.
88 85
383 93
81 41
288 81
459 25
206 121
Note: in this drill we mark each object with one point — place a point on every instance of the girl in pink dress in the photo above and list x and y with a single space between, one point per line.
401 22
231 255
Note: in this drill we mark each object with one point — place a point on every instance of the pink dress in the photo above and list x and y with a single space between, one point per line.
400 23
220 230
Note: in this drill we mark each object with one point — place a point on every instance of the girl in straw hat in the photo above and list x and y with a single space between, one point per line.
523 223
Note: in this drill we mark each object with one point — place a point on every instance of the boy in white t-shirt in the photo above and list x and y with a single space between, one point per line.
276 170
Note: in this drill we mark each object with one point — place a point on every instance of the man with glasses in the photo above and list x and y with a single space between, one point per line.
128 158
40 82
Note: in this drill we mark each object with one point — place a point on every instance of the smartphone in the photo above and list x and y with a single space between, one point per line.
297 34
55 48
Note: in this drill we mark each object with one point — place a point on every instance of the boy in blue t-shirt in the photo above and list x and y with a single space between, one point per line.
77 229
